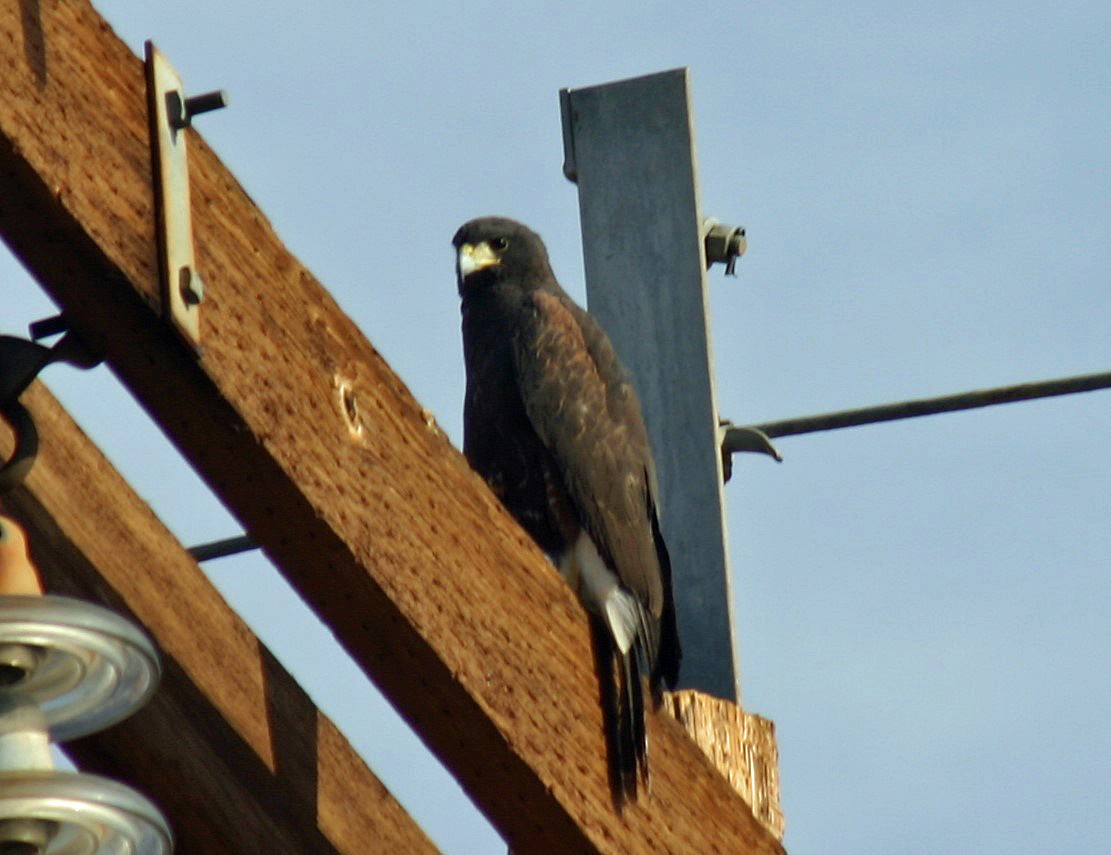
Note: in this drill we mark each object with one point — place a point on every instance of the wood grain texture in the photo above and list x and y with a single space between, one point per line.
301 428
231 748
741 746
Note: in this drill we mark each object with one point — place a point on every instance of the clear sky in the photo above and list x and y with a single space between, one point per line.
922 607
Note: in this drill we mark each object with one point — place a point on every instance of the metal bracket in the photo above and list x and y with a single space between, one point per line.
734 439
20 363
169 114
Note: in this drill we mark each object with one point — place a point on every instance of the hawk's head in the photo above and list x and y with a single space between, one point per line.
492 250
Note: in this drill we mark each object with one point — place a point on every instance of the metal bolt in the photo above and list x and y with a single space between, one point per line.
181 112
723 243
48 327
206 103
190 286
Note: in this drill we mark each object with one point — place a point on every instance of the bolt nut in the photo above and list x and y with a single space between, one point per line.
190 286
724 243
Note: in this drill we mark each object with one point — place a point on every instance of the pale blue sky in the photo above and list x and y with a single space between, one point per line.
922 607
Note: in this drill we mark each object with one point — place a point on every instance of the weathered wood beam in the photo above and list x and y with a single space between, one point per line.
301 428
231 748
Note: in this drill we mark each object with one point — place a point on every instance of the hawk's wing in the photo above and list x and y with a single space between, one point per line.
583 407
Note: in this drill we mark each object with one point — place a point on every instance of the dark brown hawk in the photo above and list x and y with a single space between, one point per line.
552 422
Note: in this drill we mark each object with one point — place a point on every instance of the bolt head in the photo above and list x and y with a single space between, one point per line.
190 286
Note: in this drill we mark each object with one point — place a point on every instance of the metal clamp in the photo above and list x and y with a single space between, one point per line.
734 439
170 113
20 362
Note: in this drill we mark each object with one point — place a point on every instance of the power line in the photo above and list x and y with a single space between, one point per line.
739 438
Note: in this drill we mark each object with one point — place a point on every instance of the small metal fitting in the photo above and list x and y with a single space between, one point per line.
180 112
170 112
723 243
191 286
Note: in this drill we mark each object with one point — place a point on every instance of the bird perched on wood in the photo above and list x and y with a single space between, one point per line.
551 421
17 574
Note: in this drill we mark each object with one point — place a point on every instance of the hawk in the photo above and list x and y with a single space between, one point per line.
551 421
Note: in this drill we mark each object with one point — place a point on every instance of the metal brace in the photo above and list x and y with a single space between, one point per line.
170 113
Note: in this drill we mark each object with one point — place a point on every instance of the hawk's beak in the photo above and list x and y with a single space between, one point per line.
474 257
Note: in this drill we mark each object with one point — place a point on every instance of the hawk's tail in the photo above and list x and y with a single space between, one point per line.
634 733
623 710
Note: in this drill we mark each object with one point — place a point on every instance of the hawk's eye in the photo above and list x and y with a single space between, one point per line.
499 244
